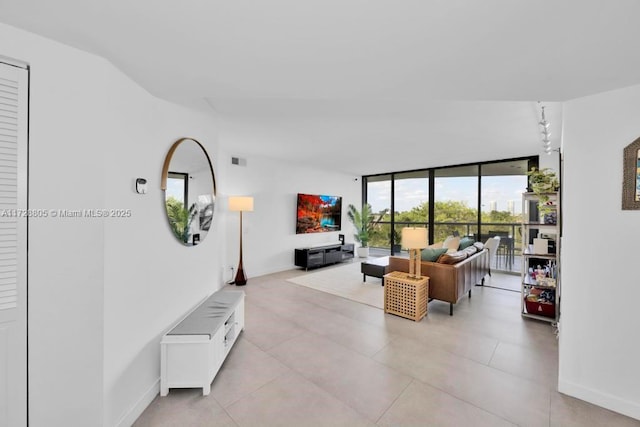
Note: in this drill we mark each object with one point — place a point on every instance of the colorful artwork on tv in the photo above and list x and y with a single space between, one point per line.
318 213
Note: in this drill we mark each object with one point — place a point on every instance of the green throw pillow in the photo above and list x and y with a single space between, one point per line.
432 254
465 242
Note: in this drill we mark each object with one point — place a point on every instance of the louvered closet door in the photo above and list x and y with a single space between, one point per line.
13 245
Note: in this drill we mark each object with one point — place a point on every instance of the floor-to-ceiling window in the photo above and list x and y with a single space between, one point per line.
478 200
456 202
501 205
378 195
411 203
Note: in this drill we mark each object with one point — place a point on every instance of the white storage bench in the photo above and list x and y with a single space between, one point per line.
192 352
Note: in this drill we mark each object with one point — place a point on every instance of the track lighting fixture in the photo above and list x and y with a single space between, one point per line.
546 133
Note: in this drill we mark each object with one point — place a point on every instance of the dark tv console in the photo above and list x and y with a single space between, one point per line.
323 255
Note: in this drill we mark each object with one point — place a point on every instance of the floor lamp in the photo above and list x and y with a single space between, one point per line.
414 239
240 204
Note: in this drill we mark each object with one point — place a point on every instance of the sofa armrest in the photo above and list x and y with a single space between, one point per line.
442 277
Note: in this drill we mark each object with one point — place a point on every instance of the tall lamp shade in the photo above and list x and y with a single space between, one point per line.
414 239
240 204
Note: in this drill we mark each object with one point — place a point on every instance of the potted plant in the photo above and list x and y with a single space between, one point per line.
364 221
542 182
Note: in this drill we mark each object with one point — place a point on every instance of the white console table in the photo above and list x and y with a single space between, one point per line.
193 351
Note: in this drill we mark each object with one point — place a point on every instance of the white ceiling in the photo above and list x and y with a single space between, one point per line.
362 86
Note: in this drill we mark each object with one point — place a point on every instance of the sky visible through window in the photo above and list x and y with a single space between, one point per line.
175 188
501 193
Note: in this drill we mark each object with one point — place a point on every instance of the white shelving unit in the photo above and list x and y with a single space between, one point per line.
537 293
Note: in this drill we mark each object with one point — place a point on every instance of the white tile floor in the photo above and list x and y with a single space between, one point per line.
307 358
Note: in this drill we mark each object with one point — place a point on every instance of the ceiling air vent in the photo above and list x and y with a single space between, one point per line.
238 161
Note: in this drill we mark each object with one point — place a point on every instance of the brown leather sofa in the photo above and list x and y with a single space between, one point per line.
452 276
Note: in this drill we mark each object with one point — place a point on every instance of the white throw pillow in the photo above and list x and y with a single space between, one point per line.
451 243
437 245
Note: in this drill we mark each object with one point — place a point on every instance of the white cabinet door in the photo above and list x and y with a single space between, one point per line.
13 245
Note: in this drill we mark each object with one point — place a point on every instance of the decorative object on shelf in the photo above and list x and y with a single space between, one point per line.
189 187
540 246
631 177
546 281
240 204
414 239
542 182
551 218
364 221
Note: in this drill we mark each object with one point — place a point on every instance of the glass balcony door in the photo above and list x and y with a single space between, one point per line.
379 196
456 202
501 205
411 203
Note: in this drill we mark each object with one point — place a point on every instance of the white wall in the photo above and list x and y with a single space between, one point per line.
66 267
151 279
599 345
270 230
102 291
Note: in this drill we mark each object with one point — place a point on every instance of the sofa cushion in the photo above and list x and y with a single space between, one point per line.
451 243
465 242
452 258
470 250
479 245
432 254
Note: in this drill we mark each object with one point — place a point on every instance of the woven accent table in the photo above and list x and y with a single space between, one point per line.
406 296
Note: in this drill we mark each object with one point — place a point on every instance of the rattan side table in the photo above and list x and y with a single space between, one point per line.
406 296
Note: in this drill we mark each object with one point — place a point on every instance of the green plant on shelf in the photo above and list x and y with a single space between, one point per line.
542 182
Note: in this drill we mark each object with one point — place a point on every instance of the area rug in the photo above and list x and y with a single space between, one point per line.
344 281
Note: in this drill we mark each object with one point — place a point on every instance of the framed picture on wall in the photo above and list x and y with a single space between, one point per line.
631 176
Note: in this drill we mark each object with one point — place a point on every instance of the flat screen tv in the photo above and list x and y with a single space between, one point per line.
318 213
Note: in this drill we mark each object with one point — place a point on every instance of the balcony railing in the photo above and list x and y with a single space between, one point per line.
509 254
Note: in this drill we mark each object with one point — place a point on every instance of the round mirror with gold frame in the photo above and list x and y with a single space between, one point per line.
189 187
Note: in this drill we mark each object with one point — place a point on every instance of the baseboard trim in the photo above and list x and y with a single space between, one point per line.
608 401
136 410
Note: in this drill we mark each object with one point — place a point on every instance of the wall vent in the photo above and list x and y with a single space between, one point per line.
238 161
